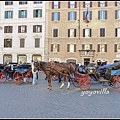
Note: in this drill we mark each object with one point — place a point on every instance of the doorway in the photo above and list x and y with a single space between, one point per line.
86 61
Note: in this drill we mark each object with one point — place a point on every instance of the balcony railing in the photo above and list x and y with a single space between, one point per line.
87 52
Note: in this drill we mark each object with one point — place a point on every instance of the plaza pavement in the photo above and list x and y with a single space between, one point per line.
27 101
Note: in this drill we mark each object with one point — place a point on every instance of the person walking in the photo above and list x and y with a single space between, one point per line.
34 72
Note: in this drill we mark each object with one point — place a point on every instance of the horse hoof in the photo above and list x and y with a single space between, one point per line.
67 88
60 87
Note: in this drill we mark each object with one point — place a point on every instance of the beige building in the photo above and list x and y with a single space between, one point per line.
83 31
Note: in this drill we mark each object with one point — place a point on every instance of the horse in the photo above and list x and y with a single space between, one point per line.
51 68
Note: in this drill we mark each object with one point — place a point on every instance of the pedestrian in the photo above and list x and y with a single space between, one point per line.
34 73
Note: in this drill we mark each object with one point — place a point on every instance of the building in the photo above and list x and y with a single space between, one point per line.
83 31
22 31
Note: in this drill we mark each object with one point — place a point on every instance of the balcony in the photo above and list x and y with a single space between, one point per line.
85 53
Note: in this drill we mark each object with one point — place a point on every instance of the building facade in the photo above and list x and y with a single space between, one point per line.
83 31
22 31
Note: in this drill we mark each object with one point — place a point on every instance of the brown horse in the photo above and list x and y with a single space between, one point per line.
51 68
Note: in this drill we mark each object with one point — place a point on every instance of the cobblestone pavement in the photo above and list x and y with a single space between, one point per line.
27 101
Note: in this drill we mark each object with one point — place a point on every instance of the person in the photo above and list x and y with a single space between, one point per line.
34 72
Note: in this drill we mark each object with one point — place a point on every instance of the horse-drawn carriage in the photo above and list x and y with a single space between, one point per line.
15 72
83 81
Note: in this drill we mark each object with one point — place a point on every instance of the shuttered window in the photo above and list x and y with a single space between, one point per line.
22 43
37 42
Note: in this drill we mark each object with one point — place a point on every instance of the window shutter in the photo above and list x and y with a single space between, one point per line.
90 46
58 47
19 29
56 32
68 32
90 15
5 14
74 32
52 16
100 32
115 48
52 5
34 13
40 12
115 3
75 15
68 4
105 47
5 29
21 43
105 3
103 32
19 14
75 4
25 29
98 15
11 14
11 27
68 47
98 47
68 15
115 32
37 42
98 3
6 3
58 15
51 47
84 15
34 28
20 2
40 28
90 3
83 4
59 4
115 14
83 46
74 47
83 32
90 32
105 14
25 13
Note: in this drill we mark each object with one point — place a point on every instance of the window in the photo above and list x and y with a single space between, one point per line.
117 3
71 32
117 14
7 43
22 13
117 47
22 43
37 13
87 3
87 32
55 16
37 28
55 4
102 47
22 29
71 47
7 58
22 2
102 15
71 15
22 59
86 46
37 2
117 32
102 32
37 42
8 29
8 2
55 32
102 3
55 47
72 4
8 14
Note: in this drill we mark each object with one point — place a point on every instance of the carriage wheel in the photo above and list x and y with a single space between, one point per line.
75 81
117 82
18 78
54 77
85 83
2 77
28 77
